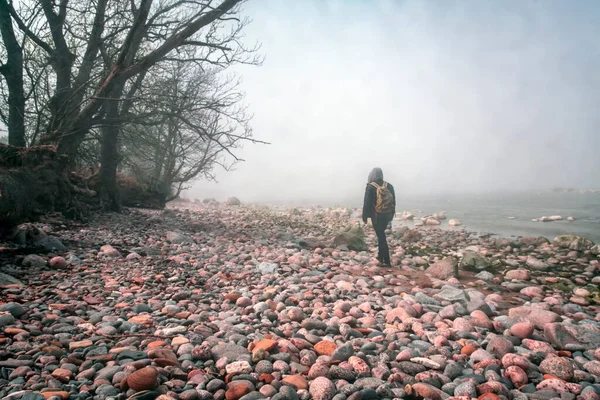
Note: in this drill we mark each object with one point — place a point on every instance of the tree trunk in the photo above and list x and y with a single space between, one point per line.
13 73
109 156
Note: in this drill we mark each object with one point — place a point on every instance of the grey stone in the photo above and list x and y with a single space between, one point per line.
232 351
15 309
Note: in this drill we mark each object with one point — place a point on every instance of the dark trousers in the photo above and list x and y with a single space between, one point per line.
380 223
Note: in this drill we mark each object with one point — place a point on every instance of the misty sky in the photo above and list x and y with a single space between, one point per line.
443 95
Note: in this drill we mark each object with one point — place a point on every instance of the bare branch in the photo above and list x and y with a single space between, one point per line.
25 29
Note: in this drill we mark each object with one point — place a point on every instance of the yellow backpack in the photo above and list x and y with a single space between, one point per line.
385 199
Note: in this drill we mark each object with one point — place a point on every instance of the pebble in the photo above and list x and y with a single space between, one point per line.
224 303
322 389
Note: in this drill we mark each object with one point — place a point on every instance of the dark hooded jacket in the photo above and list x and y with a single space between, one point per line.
376 176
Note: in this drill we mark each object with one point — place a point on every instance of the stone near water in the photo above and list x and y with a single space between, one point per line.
444 269
474 261
485 276
536 264
573 242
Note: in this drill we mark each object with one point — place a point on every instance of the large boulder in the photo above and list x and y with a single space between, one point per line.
573 337
573 242
473 261
352 237
444 269
533 241
33 261
406 215
311 243
536 316
399 231
233 201
351 241
432 221
440 216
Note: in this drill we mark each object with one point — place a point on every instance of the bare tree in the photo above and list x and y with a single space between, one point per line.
87 69
12 70
197 120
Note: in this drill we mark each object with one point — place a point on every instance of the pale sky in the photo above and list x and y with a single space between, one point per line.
445 96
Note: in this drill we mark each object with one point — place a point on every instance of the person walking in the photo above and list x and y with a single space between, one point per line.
380 206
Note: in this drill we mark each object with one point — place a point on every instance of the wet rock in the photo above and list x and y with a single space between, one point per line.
473 261
572 337
352 239
573 242
537 264
452 295
444 269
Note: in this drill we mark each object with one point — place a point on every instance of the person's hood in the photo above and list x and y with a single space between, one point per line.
376 175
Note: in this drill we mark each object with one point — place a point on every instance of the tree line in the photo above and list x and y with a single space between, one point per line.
138 86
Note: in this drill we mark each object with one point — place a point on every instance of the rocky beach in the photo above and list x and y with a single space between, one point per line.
208 301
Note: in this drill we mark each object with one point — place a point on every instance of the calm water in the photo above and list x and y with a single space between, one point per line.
490 213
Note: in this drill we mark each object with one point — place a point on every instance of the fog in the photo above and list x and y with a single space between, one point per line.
445 96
